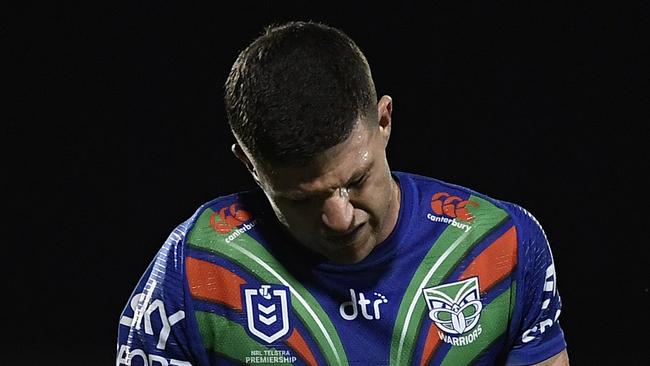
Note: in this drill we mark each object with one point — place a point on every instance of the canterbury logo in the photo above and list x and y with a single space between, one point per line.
228 218
442 203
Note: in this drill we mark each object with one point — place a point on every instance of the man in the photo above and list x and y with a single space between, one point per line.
336 260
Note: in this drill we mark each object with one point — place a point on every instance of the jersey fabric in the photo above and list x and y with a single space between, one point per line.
462 279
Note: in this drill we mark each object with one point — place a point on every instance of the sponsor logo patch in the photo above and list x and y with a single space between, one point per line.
452 210
369 307
232 220
228 218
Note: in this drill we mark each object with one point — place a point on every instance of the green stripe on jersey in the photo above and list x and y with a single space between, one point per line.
254 258
227 338
513 297
445 254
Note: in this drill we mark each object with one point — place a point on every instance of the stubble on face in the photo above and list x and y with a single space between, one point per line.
297 195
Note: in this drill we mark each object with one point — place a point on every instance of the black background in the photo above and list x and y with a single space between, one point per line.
116 134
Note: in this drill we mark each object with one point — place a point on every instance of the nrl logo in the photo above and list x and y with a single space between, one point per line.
267 311
456 309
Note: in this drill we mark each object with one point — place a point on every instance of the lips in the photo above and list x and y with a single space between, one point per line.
346 239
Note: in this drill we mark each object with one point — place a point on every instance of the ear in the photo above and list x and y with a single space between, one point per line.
241 155
385 115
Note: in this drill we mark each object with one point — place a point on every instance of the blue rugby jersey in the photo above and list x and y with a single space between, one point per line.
462 279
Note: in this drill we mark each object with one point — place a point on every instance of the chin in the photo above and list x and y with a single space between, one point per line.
350 255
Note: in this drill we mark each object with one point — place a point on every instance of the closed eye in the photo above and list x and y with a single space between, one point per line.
298 200
360 181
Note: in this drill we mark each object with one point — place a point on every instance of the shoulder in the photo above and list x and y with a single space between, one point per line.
223 217
220 216
455 200
427 185
161 299
467 209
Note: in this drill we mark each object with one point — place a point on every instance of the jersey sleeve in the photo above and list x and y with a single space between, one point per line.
536 334
154 327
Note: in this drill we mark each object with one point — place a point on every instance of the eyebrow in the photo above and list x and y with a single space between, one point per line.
299 194
359 174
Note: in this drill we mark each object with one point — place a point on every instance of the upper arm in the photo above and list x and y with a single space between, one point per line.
153 327
535 332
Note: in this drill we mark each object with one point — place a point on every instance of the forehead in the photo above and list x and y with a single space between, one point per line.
333 168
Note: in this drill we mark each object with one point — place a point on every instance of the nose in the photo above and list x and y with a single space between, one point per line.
338 213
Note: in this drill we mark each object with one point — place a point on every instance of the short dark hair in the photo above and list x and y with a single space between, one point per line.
297 90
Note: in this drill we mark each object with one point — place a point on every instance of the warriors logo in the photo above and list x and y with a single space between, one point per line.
267 311
455 308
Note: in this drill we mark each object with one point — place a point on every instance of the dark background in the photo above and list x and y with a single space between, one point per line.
116 133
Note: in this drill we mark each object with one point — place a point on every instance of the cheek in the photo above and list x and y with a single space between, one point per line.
280 212
296 218
374 198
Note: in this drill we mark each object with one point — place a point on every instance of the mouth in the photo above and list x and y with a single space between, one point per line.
346 239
